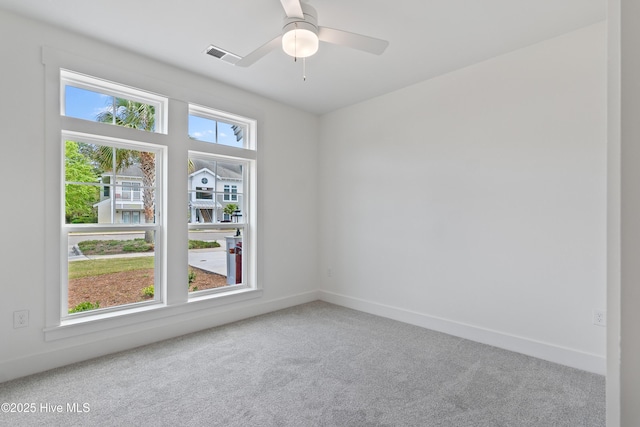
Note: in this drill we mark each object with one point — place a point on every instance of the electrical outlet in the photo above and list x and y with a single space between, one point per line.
21 319
600 317
329 272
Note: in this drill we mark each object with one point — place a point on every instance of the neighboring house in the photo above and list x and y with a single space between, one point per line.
127 206
209 193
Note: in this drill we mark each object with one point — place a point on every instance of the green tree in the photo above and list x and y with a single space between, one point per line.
230 209
79 199
136 115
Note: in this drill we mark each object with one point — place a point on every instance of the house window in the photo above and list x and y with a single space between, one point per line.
131 191
131 217
109 179
204 193
230 193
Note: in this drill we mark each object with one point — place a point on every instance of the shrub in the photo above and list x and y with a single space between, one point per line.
107 247
137 245
192 278
84 306
148 291
201 244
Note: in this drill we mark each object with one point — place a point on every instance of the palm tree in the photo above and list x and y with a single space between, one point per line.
136 115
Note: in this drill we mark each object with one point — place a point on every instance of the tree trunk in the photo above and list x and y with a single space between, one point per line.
148 166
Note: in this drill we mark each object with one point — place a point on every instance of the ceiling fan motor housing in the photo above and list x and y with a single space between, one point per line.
300 35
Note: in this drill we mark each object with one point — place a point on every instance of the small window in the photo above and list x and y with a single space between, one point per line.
230 193
88 98
206 126
131 191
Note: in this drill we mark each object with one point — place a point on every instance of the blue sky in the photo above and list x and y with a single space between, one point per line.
85 104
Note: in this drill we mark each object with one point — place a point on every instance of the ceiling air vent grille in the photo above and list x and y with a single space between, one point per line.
216 52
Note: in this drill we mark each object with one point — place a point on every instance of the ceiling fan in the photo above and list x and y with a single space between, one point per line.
300 37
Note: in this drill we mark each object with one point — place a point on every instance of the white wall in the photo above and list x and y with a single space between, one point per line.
475 203
287 154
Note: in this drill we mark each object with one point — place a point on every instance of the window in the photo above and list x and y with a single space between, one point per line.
218 226
230 193
131 217
215 251
108 147
110 267
217 127
130 191
101 101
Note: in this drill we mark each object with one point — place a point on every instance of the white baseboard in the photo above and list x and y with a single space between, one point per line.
116 341
552 353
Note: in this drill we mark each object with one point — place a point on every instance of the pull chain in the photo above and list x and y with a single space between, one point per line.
295 56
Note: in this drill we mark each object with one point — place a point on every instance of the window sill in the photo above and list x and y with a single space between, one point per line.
129 317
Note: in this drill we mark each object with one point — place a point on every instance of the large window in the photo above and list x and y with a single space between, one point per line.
116 191
111 190
217 187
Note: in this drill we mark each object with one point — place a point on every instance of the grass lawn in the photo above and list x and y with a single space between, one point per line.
114 281
97 267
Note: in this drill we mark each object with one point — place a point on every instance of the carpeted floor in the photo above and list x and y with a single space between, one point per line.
312 365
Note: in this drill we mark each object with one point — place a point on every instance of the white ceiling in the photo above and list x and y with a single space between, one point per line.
427 38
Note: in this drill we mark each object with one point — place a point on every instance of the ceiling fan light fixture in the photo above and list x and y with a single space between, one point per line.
300 39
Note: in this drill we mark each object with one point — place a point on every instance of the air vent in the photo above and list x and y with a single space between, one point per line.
213 51
223 55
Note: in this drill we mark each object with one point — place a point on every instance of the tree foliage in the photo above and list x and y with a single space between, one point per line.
136 115
79 199
230 208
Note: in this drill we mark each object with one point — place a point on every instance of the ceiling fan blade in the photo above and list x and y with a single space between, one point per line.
260 52
292 8
352 40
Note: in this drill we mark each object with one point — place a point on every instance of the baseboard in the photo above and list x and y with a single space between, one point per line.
113 343
552 353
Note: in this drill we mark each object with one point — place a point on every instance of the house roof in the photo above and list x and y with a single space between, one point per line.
220 169
131 171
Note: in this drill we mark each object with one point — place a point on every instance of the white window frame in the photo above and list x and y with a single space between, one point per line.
174 139
244 226
157 227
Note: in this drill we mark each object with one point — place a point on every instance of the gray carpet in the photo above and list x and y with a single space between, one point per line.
313 365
